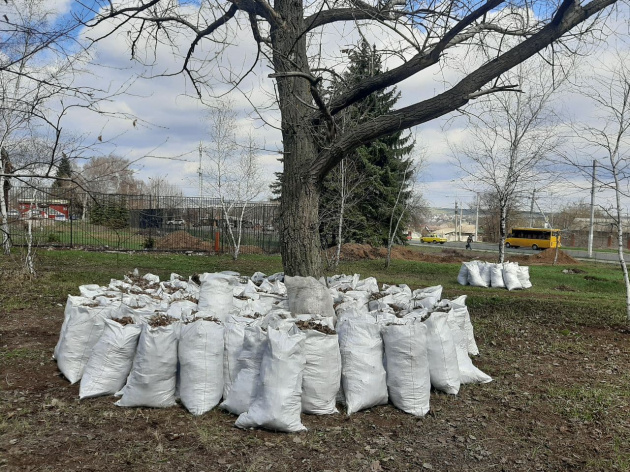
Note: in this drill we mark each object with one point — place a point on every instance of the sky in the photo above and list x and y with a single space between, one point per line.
167 121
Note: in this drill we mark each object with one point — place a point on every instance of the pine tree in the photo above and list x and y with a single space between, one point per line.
64 171
381 165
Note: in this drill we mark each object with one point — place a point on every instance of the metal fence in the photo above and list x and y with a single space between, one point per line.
67 218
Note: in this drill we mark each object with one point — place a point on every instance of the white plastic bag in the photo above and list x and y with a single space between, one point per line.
200 354
459 306
233 337
407 365
468 373
216 294
510 276
111 359
277 405
474 276
243 389
83 324
308 296
496 276
442 354
462 277
363 375
322 373
152 380
523 277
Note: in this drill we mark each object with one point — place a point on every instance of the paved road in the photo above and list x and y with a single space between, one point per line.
493 247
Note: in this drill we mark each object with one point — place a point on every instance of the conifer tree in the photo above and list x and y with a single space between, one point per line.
378 169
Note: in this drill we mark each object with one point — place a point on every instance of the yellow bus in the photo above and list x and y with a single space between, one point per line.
536 238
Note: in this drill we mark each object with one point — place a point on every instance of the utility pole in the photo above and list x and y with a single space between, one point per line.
455 219
531 209
592 222
461 219
477 220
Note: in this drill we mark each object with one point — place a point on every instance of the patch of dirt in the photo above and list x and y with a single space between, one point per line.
181 240
125 320
356 252
160 319
564 288
573 271
306 325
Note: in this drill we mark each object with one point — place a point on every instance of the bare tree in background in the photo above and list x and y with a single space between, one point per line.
400 209
231 171
40 61
512 137
291 35
609 140
347 185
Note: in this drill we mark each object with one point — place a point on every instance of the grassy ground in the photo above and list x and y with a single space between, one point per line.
558 354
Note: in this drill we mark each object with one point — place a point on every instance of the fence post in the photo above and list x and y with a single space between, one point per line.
70 216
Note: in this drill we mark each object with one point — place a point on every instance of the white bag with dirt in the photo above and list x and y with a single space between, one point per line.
462 276
83 324
153 376
474 275
216 294
510 276
363 374
523 276
407 366
322 372
308 296
234 335
459 306
242 391
277 404
468 373
111 360
496 276
442 354
200 354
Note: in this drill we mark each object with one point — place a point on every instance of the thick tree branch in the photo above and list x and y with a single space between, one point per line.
569 15
414 65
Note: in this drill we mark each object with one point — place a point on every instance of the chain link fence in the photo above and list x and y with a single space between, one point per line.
140 222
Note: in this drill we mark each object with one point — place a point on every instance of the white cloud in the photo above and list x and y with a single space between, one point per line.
171 119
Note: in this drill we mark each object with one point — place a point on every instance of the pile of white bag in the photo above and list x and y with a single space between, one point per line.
486 274
266 348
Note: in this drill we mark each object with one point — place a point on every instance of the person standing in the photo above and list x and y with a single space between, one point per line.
469 242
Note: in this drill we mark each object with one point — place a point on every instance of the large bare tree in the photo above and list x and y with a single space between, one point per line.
607 138
231 171
512 136
290 36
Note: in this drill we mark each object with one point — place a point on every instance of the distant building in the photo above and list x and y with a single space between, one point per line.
50 209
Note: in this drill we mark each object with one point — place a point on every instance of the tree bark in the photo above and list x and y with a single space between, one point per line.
299 222
502 232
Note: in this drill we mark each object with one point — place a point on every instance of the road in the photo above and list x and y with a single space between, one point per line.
598 256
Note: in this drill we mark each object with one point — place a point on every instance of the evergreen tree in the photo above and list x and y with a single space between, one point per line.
381 166
64 171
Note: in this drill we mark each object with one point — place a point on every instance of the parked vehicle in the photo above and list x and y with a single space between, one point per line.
433 238
175 222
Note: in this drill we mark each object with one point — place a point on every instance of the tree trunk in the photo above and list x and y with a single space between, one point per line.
299 204
622 259
502 232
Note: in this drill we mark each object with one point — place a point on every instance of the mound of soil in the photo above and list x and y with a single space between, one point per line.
181 240
547 256
356 252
